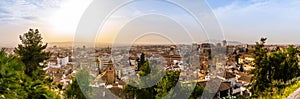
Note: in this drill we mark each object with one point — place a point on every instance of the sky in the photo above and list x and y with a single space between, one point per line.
241 20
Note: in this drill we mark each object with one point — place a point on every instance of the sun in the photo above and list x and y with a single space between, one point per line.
66 18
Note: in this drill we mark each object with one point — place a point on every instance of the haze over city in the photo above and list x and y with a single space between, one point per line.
243 21
149 49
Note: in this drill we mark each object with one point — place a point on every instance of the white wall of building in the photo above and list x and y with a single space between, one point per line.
63 61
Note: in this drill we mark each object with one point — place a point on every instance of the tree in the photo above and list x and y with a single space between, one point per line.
284 64
79 89
11 75
144 69
16 84
73 91
261 79
167 83
197 91
141 61
276 59
277 66
32 54
163 88
38 90
130 91
148 93
290 64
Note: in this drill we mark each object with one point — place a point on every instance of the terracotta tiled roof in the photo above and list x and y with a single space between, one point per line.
223 86
116 90
229 75
244 77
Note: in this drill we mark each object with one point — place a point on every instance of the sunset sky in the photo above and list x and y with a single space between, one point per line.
241 20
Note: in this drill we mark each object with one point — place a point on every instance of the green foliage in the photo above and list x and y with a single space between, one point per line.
145 69
282 93
31 53
79 89
11 75
260 81
273 67
73 91
84 81
163 88
16 84
148 93
284 64
197 92
130 91
167 83
39 90
22 76
60 86
141 61
275 60
290 64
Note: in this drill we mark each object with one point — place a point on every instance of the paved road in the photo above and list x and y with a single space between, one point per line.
295 95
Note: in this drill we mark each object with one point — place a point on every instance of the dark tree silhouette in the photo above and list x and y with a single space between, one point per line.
32 54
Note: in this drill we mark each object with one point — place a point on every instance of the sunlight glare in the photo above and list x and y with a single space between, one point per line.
66 19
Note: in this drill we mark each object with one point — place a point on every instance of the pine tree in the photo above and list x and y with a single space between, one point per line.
32 54
11 75
15 84
261 79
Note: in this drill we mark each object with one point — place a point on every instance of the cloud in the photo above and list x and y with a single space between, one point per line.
275 19
3 11
4 17
26 10
29 18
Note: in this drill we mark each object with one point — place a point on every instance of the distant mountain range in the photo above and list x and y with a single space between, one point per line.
78 44
220 41
98 44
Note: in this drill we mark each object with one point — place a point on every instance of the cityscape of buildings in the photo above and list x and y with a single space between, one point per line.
96 59
112 68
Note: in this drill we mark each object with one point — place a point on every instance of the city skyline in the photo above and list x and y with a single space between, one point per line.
244 21
132 49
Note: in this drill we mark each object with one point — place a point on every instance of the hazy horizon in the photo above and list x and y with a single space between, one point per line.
242 21
105 44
